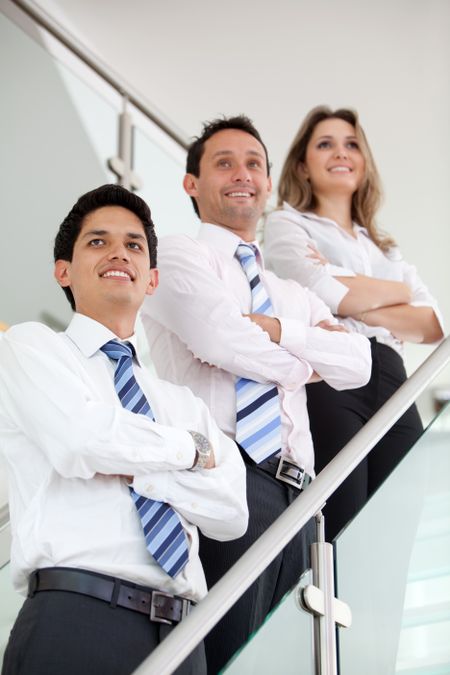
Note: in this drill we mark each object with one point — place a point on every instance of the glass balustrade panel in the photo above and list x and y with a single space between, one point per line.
56 134
283 644
393 567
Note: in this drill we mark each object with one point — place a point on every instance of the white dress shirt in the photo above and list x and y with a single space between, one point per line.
62 427
287 235
198 335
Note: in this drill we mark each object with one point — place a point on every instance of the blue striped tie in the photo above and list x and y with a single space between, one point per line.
258 423
164 535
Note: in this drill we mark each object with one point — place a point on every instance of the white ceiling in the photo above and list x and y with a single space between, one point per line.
274 59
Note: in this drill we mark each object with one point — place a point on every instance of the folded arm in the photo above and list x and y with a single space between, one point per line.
197 306
294 254
213 499
406 322
366 293
46 394
340 358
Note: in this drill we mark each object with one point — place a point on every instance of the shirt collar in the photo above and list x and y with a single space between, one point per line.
224 240
89 335
319 219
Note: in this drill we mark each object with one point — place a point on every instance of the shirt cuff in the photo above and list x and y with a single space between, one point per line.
293 335
153 485
331 291
180 448
439 317
337 271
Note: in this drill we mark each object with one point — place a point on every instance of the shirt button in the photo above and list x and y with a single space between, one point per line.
179 455
194 505
149 488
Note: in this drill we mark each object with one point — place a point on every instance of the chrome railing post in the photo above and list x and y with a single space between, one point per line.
324 626
121 165
318 598
44 19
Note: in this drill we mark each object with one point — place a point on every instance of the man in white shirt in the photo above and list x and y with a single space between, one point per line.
90 438
222 325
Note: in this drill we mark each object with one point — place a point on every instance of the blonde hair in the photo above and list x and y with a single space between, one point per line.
295 189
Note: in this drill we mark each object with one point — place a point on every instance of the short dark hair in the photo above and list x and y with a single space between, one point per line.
197 147
106 195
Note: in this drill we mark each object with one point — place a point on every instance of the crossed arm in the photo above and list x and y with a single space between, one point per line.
272 326
204 312
48 400
380 302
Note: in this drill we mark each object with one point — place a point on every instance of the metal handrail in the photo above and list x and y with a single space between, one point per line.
43 19
184 638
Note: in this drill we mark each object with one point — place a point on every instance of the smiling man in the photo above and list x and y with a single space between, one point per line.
111 470
246 342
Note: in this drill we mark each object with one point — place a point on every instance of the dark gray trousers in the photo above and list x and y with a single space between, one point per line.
61 633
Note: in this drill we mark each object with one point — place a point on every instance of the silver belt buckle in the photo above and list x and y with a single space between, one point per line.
154 607
186 607
290 473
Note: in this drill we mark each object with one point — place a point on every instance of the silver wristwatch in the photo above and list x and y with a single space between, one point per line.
203 450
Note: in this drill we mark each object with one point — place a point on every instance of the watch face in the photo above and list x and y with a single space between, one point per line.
202 447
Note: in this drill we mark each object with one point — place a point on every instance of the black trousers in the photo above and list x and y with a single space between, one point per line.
267 499
336 416
62 633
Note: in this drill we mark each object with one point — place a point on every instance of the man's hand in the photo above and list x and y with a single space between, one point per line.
211 463
129 479
269 324
327 325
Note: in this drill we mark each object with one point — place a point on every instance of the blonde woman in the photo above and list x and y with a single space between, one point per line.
324 235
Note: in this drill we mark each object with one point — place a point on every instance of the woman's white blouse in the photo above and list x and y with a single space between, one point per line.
288 234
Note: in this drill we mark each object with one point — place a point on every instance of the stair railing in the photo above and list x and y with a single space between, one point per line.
185 637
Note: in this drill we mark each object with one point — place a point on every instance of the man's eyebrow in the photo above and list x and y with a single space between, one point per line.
135 235
97 233
102 233
230 152
256 153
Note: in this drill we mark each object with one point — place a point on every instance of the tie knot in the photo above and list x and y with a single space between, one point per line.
115 349
246 253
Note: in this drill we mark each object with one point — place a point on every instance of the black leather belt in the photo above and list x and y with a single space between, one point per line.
160 607
287 471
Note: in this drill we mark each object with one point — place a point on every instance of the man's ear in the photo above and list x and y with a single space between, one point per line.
269 184
153 281
62 272
190 185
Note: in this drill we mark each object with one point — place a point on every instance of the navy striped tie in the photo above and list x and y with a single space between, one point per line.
164 534
258 423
